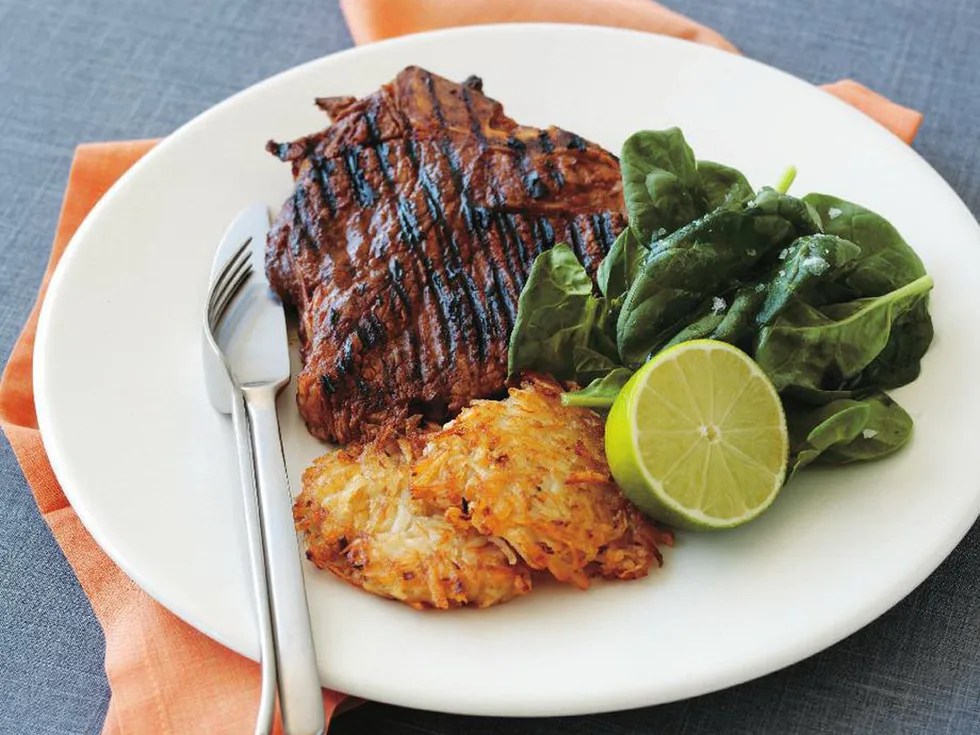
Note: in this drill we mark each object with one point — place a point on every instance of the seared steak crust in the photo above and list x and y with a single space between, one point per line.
413 223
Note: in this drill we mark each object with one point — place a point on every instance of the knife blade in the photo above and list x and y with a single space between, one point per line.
252 324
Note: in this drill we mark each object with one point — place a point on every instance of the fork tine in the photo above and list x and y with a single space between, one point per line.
234 274
227 275
224 275
227 289
231 260
233 288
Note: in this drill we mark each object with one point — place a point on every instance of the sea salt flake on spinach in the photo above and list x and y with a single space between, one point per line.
804 266
887 262
845 431
688 268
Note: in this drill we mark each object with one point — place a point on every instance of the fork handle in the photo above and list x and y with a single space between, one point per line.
300 697
265 719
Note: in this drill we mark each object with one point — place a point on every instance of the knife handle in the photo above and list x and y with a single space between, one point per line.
300 697
265 719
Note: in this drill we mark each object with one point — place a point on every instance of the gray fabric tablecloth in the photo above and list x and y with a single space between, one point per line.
85 70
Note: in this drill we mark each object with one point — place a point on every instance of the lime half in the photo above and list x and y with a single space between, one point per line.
697 437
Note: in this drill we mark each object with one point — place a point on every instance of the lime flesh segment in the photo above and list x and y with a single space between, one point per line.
697 438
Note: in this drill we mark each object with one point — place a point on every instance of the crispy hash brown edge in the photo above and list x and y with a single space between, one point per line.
534 473
381 539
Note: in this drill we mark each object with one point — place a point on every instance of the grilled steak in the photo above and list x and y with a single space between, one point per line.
413 223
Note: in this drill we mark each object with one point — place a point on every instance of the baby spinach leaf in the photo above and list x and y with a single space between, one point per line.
827 349
722 186
800 271
665 188
846 430
591 364
803 216
556 314
659 178
689 268
812 431
618 269
887 429
600 393
701 328
803 267
887 261
901 360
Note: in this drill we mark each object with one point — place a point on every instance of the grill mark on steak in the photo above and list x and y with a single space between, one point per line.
412 226
609 230
510 258
576 237
408 222
427 274
322 170
599 230
479 223
438 317
476 320
547 146
362 189
436 277
510 223
414 353
544 234
410 234
301 214
475 125
531 178
397 274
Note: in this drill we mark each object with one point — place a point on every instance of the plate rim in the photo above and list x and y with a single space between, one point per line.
859 617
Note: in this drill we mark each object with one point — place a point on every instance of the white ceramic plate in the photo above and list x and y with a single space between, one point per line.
150 468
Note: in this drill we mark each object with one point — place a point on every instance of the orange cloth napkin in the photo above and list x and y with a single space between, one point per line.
166 677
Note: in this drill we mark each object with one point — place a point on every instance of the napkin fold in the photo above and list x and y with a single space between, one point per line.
165 676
